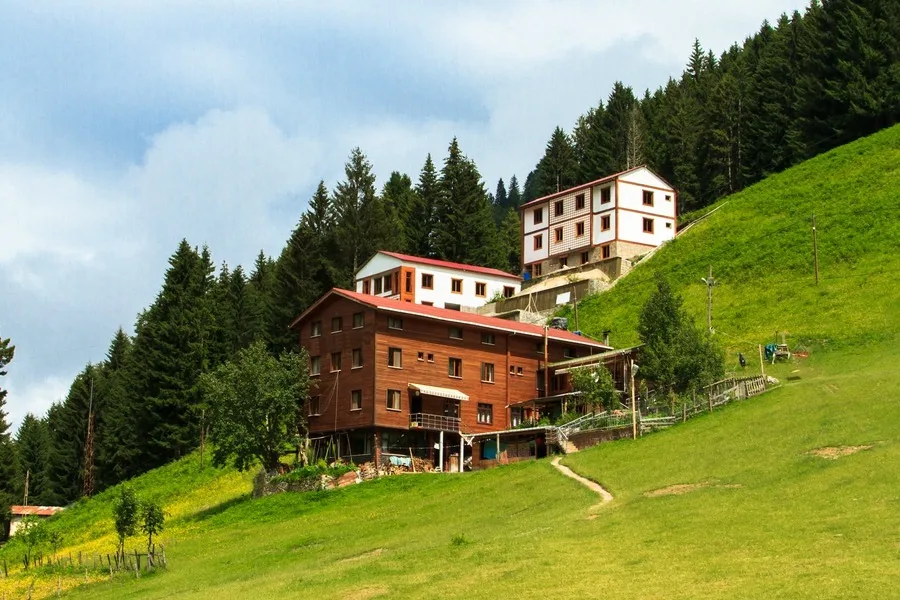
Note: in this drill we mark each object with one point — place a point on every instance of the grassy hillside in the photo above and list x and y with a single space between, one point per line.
766 519
760 247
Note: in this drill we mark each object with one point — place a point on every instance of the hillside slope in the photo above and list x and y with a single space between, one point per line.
760 247
762 517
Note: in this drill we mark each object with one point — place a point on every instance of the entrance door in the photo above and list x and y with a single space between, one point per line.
415 404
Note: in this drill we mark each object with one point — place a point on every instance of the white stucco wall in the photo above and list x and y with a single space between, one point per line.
631 196
443 294
644 176
603 237
631 228
597 206
528 215
532 255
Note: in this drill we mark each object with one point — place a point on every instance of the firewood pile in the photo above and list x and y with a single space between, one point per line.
369 470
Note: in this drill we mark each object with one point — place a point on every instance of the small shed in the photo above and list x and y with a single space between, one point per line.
20 512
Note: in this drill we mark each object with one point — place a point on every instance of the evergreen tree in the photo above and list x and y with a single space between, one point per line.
511 237
171 349
400 202
9 472
465 230
531 189
557 169
500 202
363 225
593 145
68 428
421 222
513 196
619 119
261 290
33 447
118 446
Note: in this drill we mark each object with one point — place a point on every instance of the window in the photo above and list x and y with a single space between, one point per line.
387 283
395 358
313 407
515 416
537 270
604 251
357 358
558 234
538 216
538 242
579 201
579 228
337 324
648 225
520 371
315 329
456 286
539 347
456 333
359 319
668 225
480 289
605 222
508 291
315 365
585 257
431 358
487 338
335 361
395 323
606 195
540 380
427 281
356 400
570 352
367 287
487 372
668 198
512 370
564 261
377 285
485 413
648 198
427 303
558 207
454 368
393 399
408 282
452 306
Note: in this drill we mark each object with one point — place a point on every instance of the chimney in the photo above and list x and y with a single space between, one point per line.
606 337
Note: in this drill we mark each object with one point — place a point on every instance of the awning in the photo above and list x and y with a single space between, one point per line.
440 392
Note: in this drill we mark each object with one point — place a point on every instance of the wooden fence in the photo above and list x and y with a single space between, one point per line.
717 394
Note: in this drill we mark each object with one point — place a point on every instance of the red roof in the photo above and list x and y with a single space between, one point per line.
455 316
450 265
41 511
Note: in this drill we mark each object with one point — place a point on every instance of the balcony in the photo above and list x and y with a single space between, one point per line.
433 422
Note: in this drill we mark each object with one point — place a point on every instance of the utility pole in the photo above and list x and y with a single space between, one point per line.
633 401
815 248
710 282
27 481
88 489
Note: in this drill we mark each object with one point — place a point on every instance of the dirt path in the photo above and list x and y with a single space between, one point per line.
605 496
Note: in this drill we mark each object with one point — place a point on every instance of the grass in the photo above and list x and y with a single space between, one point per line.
761 250
771 521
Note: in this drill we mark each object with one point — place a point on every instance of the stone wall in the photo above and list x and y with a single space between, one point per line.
263 484
586 439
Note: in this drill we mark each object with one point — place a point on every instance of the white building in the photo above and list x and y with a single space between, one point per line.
619 216
433 282
18 514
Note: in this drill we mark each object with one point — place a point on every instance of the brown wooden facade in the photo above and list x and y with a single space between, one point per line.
399 346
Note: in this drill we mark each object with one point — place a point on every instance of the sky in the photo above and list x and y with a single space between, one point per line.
128 125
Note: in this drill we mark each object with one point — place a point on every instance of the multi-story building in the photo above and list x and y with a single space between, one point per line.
398 378
433 282
619 216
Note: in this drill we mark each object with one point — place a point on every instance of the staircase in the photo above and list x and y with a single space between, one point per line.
589 422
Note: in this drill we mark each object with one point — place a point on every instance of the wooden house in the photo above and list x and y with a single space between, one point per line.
398 378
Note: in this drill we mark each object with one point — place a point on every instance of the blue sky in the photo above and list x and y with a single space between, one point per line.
126 126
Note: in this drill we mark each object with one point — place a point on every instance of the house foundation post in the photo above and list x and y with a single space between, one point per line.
441 451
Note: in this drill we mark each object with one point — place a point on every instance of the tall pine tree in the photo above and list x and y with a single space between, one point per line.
9 475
